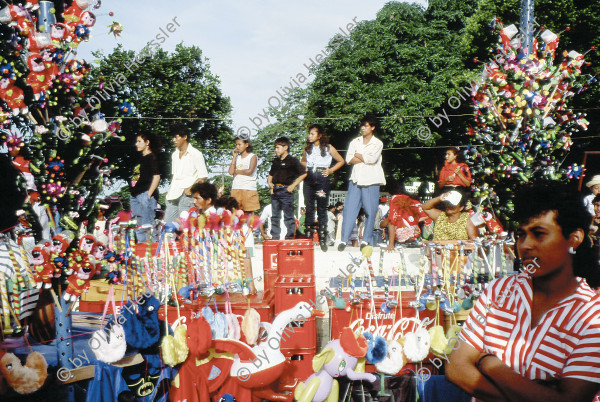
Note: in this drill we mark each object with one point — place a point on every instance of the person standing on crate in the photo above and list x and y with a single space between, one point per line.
535 336
144 184
455 172
317 157
188 167
364 153
243 169
285 175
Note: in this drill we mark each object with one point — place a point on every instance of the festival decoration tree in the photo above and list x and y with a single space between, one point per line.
43 109
523 125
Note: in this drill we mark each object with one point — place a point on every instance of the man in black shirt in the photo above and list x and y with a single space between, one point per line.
285 174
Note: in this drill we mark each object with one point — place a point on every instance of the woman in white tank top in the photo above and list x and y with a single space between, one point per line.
317 158
243 169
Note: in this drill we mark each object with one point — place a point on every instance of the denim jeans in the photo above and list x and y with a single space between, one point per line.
176 207
316 188
368 198
143 209
281 200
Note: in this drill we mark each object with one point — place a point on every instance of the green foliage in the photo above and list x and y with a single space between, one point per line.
164 87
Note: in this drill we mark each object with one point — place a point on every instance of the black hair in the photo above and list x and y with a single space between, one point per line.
323 140
247 141
339 204
226 202
372 120
570 214
206 190
181 130
459 155
155 144
596 199
283 141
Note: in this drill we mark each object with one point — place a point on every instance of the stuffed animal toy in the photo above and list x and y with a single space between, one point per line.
174 348
18 18
439 343
40 74
416 345
87 243
44 269
24 379
13 96
217 321
79 282
339 358
233 327
377 350
142 329
199 336
394 361
109 347
251 326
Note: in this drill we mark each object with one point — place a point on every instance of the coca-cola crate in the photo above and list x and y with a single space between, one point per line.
270 250
296 257
299 335
270 277
290 290
299 366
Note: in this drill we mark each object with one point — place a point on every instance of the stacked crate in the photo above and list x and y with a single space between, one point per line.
270 273
296 283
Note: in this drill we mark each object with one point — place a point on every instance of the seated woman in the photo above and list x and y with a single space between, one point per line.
453 223
535 336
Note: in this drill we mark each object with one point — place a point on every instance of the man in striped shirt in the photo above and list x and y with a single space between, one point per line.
535 336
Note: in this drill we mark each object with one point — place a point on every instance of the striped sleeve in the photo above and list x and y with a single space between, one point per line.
584 361
473 329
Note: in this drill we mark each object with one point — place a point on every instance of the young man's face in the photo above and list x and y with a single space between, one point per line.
367 129
597 209
280 149
595 189
201 203
179 140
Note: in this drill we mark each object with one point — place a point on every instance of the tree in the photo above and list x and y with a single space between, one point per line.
402 66
165 88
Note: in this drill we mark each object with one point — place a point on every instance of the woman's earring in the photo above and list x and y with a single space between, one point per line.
572 250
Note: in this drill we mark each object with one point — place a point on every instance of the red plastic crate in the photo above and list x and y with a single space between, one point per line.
299 335
299 366
290 290
270 277
296 257
270 250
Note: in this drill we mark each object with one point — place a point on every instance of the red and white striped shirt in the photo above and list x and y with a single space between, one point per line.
565 343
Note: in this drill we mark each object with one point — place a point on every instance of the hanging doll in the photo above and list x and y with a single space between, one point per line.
44 269
59 246
41 74
97 257
79 282
13 96
73 13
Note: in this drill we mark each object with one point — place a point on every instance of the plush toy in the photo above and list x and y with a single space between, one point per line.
24 379
18 18
217 321
109 347
44 269
142 329
79 282
37 42
199 336
233 327
251 326
416 345
377 348
40 74
13 96
439 343
394 361
339 358
174 348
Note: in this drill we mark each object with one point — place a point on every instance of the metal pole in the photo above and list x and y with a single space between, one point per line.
527 19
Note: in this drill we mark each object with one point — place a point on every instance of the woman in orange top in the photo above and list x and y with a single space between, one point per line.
455 173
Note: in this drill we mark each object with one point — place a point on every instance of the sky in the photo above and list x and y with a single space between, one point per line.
254 46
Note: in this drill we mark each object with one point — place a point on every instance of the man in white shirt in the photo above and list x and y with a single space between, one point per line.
364 153
188 167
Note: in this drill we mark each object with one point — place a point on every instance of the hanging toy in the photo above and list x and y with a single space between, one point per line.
251 326
13 96
79 282
25 379
44 269
416 345
109 347
377 348
40 74
394 361
60 244
174 348
72 14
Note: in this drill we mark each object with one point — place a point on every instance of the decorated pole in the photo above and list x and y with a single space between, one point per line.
527 20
